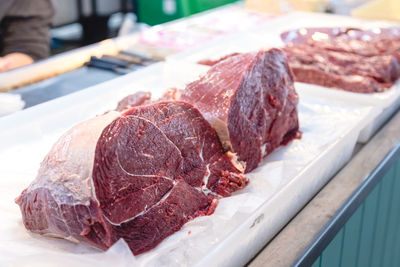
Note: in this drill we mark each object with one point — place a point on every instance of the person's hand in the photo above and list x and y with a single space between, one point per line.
14 60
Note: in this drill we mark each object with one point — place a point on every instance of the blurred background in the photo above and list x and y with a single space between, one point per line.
82 22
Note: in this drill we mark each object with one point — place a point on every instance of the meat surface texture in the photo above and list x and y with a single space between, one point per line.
251 101
140 175
364 61
134 100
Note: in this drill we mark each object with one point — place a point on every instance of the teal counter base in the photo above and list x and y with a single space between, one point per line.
371 237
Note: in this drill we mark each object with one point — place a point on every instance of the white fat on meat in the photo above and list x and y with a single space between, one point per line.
67 169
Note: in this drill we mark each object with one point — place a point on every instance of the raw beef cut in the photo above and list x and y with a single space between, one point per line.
369 42
251 101
350 72
384 69
363 61
139 175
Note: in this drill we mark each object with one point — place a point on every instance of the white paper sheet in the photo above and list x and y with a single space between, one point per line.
10 103
285 181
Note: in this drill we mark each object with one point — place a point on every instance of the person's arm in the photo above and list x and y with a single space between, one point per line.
14 60
26 33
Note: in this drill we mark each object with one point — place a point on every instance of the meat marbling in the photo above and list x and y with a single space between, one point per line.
139 175
251 101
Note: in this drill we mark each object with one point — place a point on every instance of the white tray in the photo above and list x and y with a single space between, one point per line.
241 224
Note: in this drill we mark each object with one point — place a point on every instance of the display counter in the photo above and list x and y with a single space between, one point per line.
327 199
